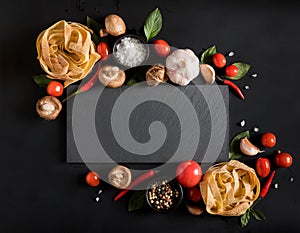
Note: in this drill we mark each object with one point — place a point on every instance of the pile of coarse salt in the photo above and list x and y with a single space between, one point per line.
130 51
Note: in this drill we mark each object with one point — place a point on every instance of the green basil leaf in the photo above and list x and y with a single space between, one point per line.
153 24
234 148
245 218
136 200
95 27
207 55
42 80
131 82
243 70
258 215
233 155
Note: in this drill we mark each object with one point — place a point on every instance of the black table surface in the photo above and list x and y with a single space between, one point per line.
40 192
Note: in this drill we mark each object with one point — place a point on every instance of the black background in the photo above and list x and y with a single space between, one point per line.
41 193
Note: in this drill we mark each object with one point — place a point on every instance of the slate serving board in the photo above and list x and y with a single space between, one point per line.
159 127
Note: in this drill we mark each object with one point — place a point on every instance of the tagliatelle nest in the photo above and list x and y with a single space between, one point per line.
229 188
66 51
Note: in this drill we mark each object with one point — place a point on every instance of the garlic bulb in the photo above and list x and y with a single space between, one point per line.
248 148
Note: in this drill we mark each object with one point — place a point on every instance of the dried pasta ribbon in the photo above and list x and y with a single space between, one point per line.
229 188
66 51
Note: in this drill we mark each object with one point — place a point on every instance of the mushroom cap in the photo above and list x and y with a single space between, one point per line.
114 25
48 107
120 177
111 76
182 66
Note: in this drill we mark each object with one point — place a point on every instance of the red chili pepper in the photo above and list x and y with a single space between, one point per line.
267 185
86 86
233 86
134 183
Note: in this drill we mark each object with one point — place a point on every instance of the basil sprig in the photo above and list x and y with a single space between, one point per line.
95 27
42 80
257 214
207 55
243 70
136 200
153 24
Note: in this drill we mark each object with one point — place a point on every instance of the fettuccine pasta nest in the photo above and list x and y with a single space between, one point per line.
66 51
229 188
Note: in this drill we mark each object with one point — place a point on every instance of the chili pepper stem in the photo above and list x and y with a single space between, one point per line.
70 96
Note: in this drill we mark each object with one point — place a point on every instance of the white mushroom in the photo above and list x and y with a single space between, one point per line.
112 76
182 66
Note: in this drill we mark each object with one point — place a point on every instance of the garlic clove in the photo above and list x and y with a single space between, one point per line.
248 148
208 73
194 210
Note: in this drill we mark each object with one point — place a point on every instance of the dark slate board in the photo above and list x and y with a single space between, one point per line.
179 109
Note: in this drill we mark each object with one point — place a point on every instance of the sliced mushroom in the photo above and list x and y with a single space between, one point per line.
111 76
48 107
156 75
208 73
120 177
114 25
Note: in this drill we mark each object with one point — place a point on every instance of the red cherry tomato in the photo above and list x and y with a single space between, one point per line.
103 50
55 88
188 173
231 71
161 47
283 160
219 60
92 179
268 140
194 194
263 167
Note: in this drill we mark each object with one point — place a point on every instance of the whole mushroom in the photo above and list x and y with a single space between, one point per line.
114 25
111 76
48 107
182 66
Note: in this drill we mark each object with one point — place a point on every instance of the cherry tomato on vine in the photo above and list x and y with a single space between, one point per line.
92 179
194 194
103 49
262 167
283 160
188 173
219 60
268 140
161 47
231 71
55 88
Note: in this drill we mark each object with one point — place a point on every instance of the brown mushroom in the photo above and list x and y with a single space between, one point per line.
114 25
120 177
111 76
156 75
48 107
